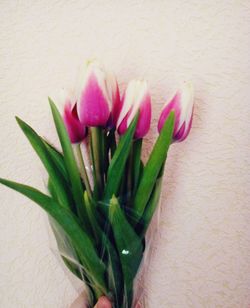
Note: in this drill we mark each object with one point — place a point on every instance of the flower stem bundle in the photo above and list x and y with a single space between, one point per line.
100 214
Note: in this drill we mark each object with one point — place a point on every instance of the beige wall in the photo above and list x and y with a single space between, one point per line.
202 256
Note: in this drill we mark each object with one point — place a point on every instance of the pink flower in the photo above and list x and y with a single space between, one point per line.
136 98
182 104
77 132
98 97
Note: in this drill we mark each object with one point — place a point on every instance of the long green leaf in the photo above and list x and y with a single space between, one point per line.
95 269
64 244
71 165
118 162
57 158
153 167
38 145
137 146
129 246
150 208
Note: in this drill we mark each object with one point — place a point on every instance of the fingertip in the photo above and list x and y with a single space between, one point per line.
104 302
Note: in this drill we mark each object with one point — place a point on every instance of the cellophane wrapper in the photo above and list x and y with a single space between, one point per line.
137 248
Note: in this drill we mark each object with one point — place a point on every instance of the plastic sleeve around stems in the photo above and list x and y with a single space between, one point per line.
124 250
123 246
125 254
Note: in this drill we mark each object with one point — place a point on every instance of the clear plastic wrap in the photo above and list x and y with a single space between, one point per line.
119 235
126 252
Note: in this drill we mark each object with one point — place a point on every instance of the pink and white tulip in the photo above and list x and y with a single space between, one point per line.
136 98
182 104
98 97
76 131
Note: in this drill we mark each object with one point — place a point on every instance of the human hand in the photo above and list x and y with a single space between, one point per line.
103 302
80 302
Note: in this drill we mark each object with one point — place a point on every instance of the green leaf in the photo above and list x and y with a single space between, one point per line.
136 162
153 167
71 165
118 162
150 208
38 145
95 268
57 158
128 244
92 215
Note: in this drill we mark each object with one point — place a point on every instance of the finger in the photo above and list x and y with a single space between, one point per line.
138 305
103 302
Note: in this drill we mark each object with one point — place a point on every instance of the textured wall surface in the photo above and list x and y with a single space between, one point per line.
202 253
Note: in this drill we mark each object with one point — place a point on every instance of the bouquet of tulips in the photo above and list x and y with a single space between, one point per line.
100 204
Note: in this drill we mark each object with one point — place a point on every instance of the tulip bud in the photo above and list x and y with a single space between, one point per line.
182 104
97 92
77 132
136 98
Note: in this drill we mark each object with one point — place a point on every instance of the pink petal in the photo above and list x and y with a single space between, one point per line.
124 124
179 135
75 128
188 128
116 108
93 107
173 105
144 120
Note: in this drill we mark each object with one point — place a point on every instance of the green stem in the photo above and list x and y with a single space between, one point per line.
134 163
112 142
130 173
137 162
83 171
97 155
105 153
133 170
92 216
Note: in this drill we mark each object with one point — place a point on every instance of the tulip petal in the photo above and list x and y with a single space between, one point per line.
182 105
187 130
187 102
127 100
179 134
124 125
75 128
114 94
93 108
136 98
144 120
173 105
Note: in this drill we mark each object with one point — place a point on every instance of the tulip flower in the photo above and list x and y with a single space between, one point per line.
98 95
136 98
182 104
76 130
